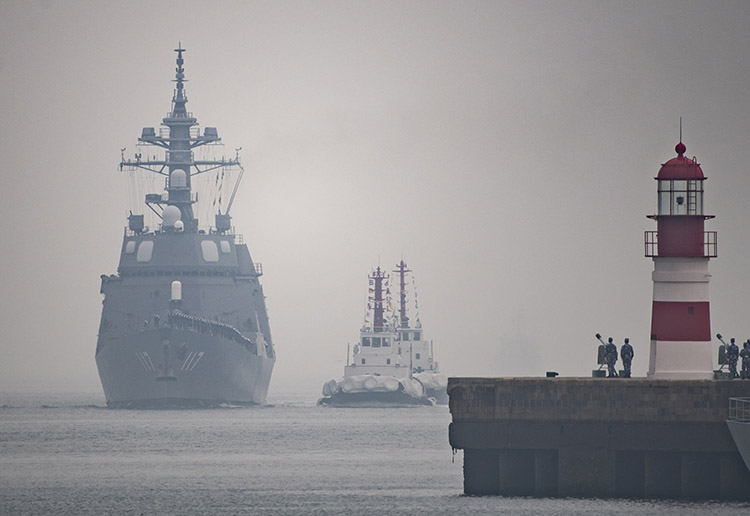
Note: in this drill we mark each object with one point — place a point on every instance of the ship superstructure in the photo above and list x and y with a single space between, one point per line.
184 320
391 363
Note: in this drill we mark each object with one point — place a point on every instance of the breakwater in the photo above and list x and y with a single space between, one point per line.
598 437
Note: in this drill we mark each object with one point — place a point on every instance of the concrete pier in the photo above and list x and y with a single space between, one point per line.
598 437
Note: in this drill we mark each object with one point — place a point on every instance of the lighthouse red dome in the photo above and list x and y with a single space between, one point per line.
680 167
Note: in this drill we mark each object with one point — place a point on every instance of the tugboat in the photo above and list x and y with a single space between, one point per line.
392 364
184 321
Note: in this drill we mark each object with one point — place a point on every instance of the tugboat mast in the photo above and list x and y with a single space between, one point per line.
179 166
378 324
402 270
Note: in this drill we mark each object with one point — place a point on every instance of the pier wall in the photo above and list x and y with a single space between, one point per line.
598 437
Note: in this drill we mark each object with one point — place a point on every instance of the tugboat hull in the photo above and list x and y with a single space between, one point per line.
374 399
371 390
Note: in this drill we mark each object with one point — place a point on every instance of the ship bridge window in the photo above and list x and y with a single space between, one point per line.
210 251
376 342
145 250
366 341
225 248
417 335
405 335
386 342
130 247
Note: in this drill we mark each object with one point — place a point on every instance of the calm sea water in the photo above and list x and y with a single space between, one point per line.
68 454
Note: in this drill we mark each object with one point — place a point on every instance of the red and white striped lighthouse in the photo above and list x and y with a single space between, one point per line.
680 247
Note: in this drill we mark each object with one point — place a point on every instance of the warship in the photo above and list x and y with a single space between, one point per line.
739 426
392 364
184 321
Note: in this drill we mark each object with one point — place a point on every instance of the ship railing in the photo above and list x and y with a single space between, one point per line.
739 410
187 114
181 321
238 238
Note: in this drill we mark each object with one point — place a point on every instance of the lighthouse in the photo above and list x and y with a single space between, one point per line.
680 248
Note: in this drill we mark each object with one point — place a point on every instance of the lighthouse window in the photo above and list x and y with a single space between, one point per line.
664 196
680 197
366 341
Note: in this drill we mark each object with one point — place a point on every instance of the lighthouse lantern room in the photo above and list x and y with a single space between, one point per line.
680 248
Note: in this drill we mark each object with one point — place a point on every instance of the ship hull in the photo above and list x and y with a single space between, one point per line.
374 399
163 368
374 391
740 431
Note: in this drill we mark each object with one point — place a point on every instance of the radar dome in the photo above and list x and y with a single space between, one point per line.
178 179
170 216
179 226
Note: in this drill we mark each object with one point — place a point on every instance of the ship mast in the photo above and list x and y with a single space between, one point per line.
377 278
402 270
179 166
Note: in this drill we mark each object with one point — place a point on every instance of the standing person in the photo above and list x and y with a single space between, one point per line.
626 353
745 354
610 352
733 353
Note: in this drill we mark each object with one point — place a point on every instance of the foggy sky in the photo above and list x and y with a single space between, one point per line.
507 150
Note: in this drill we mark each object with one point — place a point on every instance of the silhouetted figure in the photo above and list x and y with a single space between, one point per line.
733 353
745 354
626 353
610 352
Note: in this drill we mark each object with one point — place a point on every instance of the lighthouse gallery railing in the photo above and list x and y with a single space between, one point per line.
710 244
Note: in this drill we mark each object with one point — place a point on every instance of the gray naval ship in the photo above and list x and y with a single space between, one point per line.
184 320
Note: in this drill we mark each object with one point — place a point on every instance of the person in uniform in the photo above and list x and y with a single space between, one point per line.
733 353
626 353
745 354
610 353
